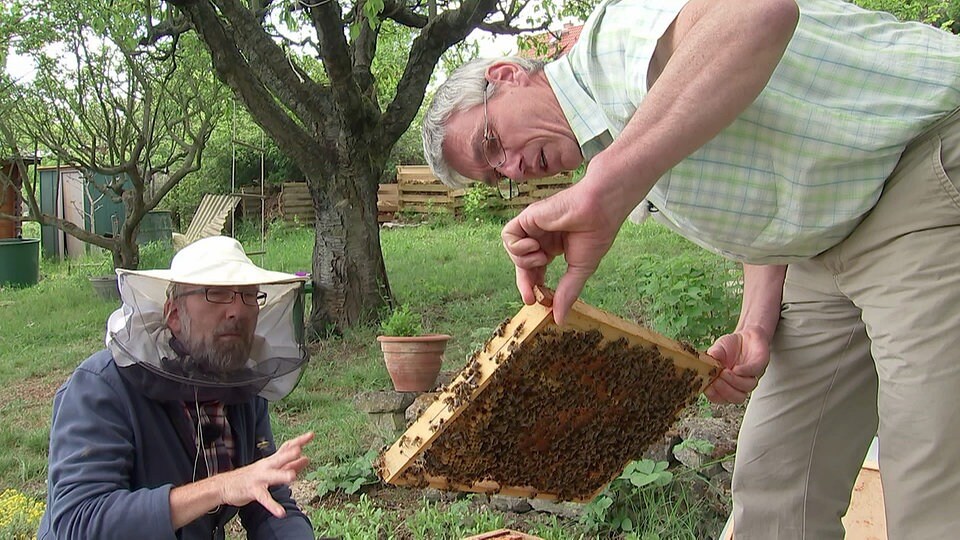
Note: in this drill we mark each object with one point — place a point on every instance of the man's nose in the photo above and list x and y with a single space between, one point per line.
513 167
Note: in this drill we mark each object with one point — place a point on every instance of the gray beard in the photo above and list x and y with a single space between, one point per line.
212 356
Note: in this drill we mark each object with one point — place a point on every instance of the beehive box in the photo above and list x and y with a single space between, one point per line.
550 412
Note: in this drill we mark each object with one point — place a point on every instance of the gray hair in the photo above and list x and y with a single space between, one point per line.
462 90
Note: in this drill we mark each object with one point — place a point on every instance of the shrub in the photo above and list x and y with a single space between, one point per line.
481 204
690 297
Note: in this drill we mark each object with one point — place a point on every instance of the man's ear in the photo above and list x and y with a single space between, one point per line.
507 73
171 316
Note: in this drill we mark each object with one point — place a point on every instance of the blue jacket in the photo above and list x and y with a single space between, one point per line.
116 454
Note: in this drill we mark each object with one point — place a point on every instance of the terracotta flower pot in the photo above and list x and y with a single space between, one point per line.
413 362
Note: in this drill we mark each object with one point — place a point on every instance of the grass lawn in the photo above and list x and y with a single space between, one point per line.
455 275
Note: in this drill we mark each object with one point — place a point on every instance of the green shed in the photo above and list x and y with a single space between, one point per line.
65 193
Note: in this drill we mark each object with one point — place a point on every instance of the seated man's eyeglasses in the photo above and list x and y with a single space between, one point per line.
494 154
217 295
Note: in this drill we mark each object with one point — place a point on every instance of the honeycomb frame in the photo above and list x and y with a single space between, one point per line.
462 418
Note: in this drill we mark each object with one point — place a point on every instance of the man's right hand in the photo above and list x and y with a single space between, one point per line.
241 486
252 483
571 223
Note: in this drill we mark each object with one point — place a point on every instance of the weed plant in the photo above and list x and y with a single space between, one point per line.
401 322
648 502
19 515
482 204
347 477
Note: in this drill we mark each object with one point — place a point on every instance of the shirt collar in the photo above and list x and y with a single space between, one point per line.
586 118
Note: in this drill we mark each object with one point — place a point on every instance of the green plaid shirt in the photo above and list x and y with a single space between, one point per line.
795 173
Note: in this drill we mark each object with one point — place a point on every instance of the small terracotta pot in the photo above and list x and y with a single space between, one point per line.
413 362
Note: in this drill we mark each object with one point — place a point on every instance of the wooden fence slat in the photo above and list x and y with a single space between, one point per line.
428 209
406 199
423 188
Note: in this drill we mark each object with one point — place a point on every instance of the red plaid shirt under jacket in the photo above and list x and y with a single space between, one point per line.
212 434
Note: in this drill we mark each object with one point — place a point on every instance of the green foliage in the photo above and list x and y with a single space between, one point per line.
347 477
407 151
363 520
372 9
456 520
700 446
644 502
687 299
401 322
355 521
482 204
19 515
943 14
647 472
156 255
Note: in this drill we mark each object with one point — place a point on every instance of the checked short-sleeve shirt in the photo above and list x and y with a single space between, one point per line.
796 172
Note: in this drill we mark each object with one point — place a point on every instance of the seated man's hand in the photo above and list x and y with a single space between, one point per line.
253 482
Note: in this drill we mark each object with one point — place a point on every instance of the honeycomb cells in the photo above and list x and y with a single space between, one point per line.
562 414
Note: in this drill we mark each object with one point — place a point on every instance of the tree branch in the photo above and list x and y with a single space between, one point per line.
448 29
351 113
230 65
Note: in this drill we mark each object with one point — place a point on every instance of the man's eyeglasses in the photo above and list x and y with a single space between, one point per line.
216 295
494 154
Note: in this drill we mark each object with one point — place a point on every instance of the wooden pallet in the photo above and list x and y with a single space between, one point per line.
296 203
415 174
550 412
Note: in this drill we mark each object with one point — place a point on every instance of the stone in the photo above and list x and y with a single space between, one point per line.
570 510
383 401
504 503
720 433
723 480
662 450
389 422
437 495
419 405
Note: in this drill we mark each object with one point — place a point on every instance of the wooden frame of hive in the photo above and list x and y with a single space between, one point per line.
403 463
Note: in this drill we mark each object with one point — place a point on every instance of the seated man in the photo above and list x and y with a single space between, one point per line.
166 433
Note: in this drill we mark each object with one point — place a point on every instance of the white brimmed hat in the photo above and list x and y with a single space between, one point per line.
216 260
137 332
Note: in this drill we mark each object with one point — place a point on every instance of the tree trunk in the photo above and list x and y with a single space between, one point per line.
350 279
126 253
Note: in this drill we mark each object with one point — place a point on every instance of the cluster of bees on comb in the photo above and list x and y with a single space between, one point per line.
562 413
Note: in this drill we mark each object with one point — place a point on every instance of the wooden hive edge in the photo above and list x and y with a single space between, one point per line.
434 419
487 487
613 328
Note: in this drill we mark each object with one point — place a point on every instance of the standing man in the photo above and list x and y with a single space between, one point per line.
166 433
814 141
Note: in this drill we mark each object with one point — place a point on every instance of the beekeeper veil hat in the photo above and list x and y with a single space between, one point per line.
138 336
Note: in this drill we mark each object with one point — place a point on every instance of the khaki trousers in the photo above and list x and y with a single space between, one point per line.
868 343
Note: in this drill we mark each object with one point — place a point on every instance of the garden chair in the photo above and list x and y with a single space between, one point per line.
209 220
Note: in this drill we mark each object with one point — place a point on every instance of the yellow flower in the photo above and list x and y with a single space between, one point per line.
19 515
